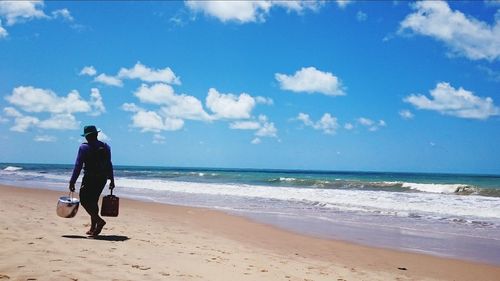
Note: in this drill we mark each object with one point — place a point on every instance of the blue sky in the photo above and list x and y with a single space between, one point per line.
337 85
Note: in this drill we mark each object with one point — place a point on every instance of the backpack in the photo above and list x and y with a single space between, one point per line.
98 160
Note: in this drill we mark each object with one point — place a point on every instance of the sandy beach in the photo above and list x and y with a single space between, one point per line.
150 241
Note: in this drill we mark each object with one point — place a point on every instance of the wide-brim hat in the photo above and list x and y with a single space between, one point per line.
87 130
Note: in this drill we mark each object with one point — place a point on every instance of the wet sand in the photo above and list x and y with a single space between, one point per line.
150 241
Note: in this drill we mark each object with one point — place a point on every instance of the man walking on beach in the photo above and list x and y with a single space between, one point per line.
95 158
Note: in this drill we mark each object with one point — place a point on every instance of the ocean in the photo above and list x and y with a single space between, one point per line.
449 215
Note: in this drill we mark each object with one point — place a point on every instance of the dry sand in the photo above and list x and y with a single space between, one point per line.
151 241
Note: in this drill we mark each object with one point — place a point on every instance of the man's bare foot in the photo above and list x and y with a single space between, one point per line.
98 228
91 230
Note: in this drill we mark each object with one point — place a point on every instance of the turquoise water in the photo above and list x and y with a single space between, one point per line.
485 185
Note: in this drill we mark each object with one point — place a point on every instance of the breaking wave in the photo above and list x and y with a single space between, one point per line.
12 168
396 186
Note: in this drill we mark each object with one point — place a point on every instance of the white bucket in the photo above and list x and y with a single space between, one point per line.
67 206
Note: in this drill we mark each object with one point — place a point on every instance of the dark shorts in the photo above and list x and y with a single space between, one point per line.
91 189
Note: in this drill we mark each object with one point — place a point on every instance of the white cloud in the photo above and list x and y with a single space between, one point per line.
230 106
45 138
150 121
15 12
262 126
61 109
311 80
298 6
348 126
343 3
256 141
11 112
96 102
102 136
264 100
305 118
131 107
248 11
177 106
63 121
328 124
371 124
3 31
60 122
108 80
156 94
267 130
406 114
237 11
32 99
23 123
63 14
158 139
88 70
245 125
138 71
455 102
186 107
361 16
20 11
365 121
463 34
146 74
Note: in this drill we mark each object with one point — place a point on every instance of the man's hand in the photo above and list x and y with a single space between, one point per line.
112 185
72 187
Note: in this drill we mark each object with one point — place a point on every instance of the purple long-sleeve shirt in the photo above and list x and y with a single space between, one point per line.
83 153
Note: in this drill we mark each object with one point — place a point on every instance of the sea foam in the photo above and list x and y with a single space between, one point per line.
348 200
437 188
12 168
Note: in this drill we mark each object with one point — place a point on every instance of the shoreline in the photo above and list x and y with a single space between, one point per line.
163 241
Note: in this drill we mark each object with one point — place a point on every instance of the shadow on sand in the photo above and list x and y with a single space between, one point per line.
118 238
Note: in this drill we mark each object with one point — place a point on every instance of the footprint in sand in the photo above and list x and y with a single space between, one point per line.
3 276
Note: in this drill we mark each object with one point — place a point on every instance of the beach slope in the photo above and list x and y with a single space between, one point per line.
150 241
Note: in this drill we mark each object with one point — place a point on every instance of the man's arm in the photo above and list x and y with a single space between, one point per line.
111 175
78 167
